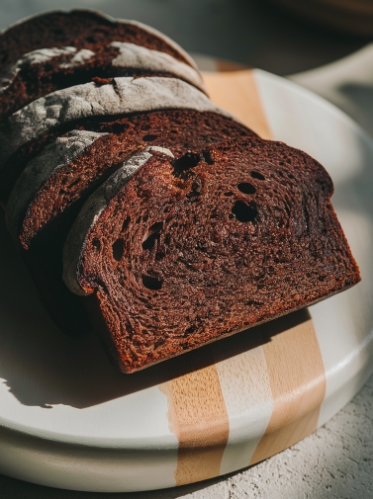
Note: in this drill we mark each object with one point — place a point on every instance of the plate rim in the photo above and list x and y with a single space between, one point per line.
162 442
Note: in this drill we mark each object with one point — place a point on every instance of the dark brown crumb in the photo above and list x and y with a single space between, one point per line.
57 203
173 263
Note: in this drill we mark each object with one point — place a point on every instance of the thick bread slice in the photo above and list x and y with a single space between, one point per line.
66 169
60 158
82 28
48 195
43 71
25 132
190 250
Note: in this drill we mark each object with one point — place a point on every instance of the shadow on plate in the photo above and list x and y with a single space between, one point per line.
42 367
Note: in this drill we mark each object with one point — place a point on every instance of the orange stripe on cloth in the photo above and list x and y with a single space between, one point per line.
297 379
237 93
198 417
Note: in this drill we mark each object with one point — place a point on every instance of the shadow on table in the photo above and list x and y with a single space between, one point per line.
42 367
10 487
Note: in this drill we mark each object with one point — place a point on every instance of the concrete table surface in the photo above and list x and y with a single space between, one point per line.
337 460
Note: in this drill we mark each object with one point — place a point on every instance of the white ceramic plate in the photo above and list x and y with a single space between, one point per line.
67 419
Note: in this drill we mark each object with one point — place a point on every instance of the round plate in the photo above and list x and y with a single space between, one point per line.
69 420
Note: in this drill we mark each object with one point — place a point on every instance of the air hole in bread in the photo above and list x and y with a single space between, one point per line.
159 256
190 330
149 138
185 163
245 212
188 161
157 227
207 157
252 303
257 175
153 235
96 243
195 190
228 193
158 343
118 248
152 282
126 223
246 188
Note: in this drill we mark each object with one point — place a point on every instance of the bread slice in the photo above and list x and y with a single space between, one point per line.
82 29
26 132
66 170
48 195
46 70
175 253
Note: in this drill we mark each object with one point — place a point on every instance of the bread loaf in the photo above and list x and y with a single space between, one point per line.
179 225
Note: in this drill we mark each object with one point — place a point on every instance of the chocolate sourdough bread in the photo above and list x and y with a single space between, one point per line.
59 49
67 169
27 131
82 29
49 193
178 244
174 253
44 71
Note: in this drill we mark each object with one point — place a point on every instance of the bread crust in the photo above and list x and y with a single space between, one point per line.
25 132
83 27
47 70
